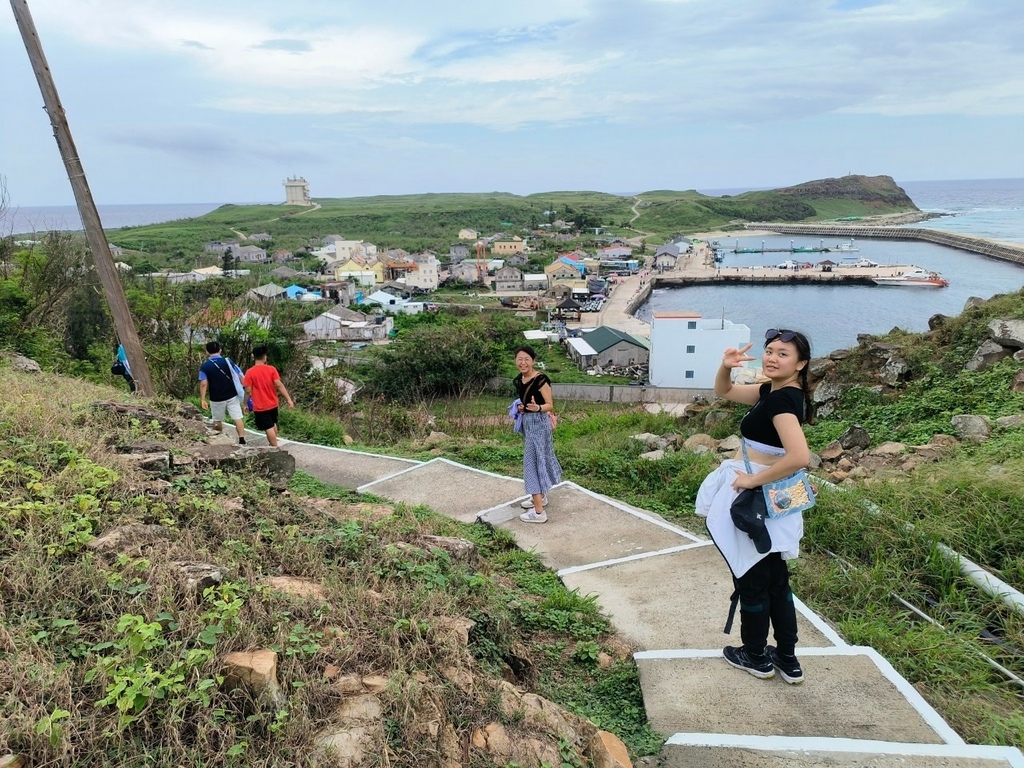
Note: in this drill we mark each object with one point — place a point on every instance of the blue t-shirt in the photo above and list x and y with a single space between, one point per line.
216 371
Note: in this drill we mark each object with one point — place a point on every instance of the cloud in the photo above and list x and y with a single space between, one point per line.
290 46
207 144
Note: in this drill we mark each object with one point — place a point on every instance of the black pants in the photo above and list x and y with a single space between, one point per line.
765 598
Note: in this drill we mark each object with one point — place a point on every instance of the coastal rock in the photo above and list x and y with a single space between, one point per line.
971 427
972 302
1018 382
826 392
855 437
935 322
820 367
25 364
894 371
988 353
1011 422
839 354
1007 332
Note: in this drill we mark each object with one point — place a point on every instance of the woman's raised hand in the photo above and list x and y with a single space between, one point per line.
734 358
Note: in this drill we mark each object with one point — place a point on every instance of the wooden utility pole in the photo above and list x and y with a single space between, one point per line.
101 256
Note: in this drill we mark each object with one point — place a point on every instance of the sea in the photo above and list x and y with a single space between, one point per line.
832 316
25 221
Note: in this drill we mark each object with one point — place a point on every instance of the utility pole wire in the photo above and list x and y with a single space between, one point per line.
101 256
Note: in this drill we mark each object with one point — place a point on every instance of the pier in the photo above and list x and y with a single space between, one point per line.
994 249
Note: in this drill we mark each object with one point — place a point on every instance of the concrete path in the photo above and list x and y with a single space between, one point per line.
667 591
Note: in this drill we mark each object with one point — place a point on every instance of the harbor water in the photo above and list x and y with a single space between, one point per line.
833 315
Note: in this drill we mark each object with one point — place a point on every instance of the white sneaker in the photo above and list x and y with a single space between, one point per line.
533 517
528 502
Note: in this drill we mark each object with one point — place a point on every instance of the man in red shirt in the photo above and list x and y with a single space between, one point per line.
262 383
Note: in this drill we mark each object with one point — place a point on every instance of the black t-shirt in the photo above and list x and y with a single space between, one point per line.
757 424
531 389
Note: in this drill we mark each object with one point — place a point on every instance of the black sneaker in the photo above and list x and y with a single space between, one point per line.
788 666
759 665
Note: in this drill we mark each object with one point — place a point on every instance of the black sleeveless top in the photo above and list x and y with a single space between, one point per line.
757 423
530 391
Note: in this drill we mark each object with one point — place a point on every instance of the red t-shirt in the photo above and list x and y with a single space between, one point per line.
264 393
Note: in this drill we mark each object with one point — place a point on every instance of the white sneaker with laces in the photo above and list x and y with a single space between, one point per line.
533 517
528 502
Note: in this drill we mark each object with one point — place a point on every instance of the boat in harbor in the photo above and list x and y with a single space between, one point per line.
915 278
846 247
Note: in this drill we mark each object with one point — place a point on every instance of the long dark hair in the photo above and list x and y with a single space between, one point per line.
803 353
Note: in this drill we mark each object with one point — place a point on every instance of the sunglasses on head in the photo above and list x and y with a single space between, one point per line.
775 333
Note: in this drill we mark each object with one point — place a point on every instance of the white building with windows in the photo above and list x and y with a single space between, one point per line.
686 349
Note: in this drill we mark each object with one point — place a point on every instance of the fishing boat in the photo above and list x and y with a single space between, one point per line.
846 247
915 278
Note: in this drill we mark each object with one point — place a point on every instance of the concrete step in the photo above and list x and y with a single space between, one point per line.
447 487
348 469
849 692
587 530
709 750
678 599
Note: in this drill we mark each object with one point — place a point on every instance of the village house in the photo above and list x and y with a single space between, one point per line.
216 246
466 272
268 292
428 276
505 247
282 255
284 273
686 349
398 269
358 269
558 271
458 252
606 347
535 281
344 292
468 234
508 279
395 304
342 324
260 237
517 260
249 254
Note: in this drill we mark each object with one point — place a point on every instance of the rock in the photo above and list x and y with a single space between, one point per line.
820 367
937 321
651 441
1018 381
297 587
657 455
606 750
700 441
142 447
972 302
729 444
13 761
988 353
894 371
459 550
492 739
198 576
25 364
128 536
889 448
435 438
832 451
254 670
855 437
149 462
456 627
1011 422
276 466
715 417
347 439
1007 332
129 412
971 427
359 732
826 392
839 354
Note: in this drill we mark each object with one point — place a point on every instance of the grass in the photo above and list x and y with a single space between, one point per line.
108 659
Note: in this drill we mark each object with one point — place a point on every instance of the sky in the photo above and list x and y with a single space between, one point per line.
188 101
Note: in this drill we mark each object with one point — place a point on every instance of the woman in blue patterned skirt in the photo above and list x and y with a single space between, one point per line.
540 467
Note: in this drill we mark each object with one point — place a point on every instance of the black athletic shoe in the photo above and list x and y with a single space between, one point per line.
241 441
788 666
758 665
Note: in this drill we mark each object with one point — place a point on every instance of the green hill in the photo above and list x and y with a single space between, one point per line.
434 220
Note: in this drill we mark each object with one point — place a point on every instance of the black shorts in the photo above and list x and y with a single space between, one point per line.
265 419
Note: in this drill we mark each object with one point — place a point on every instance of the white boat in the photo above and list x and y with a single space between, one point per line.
846 247
915 278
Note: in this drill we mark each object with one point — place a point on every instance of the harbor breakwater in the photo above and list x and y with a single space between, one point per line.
980 245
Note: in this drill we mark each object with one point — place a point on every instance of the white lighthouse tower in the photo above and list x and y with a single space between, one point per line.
296 191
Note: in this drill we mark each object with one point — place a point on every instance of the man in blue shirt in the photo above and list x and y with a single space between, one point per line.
215 378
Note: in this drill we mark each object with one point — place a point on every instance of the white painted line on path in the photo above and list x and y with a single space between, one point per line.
1011 755
631 558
